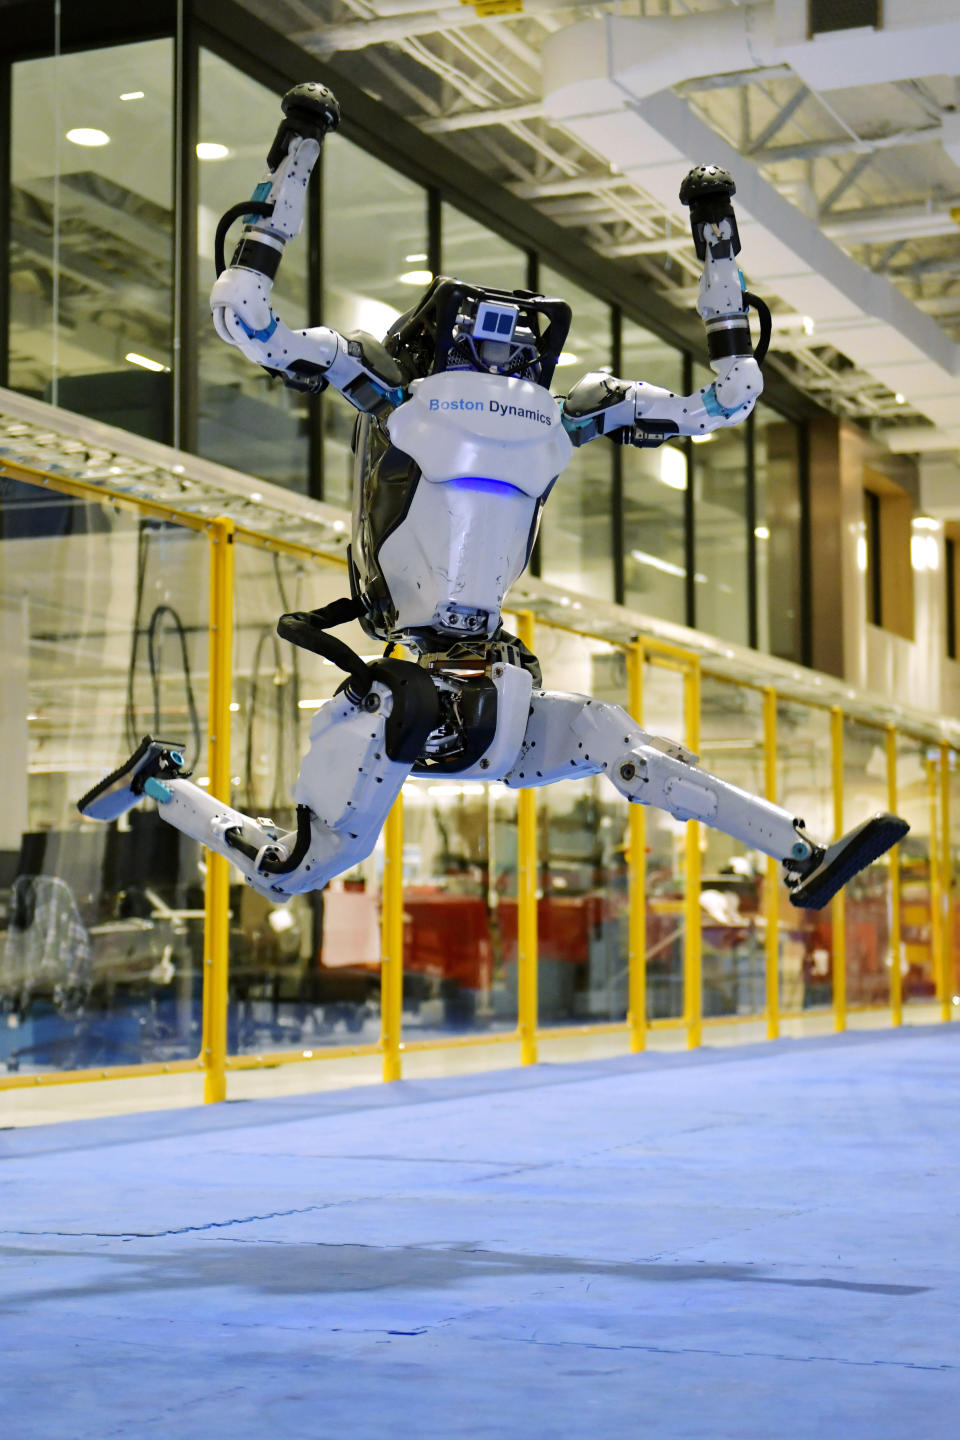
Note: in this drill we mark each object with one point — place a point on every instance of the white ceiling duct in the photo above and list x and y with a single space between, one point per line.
606 80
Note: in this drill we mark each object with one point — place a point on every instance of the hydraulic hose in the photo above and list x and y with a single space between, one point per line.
242 207
766 325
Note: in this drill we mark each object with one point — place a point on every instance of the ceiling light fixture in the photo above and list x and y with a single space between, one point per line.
415 257
567 357
211 150
416 277
83 136
132 95
145 362
673 468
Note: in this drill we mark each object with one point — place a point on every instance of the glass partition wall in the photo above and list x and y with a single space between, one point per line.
124 156
91 233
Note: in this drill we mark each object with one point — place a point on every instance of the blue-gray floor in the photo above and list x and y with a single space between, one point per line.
759 1242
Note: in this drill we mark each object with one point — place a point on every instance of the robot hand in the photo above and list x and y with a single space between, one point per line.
635 413
722 301
241 297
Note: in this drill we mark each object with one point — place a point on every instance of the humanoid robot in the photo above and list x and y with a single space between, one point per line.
457 446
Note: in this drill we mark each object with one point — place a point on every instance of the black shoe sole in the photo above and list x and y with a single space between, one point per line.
860 849
123 796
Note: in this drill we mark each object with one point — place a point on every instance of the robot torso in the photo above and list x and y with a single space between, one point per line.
448 493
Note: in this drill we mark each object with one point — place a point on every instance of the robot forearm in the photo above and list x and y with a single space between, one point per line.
241 297
633 412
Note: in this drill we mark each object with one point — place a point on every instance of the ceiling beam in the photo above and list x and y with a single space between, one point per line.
822 149
774 126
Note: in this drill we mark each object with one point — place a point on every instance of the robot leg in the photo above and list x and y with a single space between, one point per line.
569 735
361 750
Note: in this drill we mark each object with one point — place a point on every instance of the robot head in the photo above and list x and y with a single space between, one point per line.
457 326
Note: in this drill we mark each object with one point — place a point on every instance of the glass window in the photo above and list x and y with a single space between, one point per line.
473 253
654 489
867 896
246 419
665 860
732 876
103 637
777 531
914 781
804 787
583 964
306 973
375 269
721 587
91 233
576 533
460 874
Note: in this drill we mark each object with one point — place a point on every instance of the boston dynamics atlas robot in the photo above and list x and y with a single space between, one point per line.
457 446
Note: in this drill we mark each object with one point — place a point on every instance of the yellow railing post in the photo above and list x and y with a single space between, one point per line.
839 903
896 944
637 871
216 929
771 889
527 994
946 871
692 948
391 964
936 882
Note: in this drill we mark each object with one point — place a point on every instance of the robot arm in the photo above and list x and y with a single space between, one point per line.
240 300
633 412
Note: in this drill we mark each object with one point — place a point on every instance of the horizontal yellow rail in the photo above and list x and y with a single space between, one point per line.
528 1031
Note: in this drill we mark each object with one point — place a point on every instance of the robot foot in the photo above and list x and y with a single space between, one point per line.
832 867
143 774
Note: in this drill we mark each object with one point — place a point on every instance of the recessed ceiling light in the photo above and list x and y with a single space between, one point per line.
88 137
144 361
761 532
702 439
567 357
132 95
900 399
211 150
417 255
416 277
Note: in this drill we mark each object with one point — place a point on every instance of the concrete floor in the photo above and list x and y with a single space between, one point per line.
753 1242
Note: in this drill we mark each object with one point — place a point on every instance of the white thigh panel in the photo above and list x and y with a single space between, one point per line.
570 735
347 782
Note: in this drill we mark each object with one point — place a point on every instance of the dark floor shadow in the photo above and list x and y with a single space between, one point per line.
316 1269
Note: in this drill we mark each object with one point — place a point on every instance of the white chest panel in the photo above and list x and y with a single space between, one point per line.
461 425
488 447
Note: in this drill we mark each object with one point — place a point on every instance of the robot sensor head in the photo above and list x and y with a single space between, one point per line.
457 326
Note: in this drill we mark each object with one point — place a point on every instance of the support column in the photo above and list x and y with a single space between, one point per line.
216 948
896 959
637 870
771 888
391 965
692 948
839 903
527 992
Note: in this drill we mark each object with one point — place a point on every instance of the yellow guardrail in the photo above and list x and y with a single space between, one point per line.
645 652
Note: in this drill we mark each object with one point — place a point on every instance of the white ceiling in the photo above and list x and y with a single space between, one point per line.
872 164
